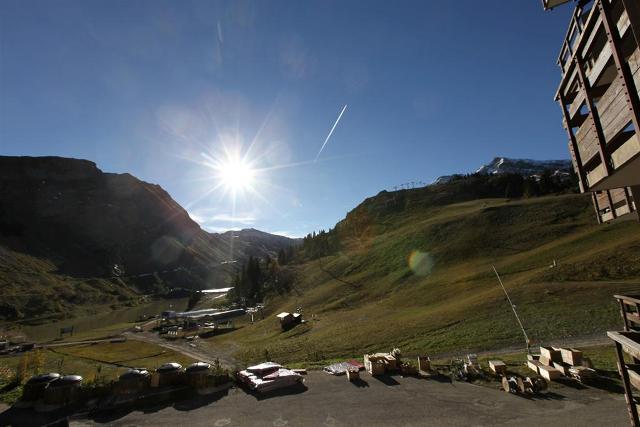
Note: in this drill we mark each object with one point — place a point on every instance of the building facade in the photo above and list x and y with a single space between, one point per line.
600 102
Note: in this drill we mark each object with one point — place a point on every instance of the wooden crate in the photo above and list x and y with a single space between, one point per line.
376 368
571 356
549 373
562 367
551 353
545 361
424 363
498 367
534 365
392 363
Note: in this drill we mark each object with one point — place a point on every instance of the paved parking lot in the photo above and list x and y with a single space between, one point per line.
391 401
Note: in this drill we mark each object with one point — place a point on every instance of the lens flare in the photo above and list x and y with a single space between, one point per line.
421 263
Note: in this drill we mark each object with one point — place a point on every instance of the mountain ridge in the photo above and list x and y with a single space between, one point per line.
524 167
69 223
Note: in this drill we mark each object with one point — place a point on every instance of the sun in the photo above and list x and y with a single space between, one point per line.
236 174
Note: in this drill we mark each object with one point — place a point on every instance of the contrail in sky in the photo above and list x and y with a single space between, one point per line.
331 131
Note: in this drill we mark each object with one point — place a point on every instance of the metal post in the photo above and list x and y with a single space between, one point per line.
513 307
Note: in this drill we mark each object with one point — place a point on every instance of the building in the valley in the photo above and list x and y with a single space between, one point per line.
598 94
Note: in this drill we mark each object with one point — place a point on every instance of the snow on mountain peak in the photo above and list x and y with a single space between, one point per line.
525 167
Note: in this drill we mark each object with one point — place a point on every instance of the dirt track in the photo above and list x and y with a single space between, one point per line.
582 342
182 346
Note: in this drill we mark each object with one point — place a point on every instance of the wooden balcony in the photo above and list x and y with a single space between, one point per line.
614 204
614 110
587 139
600 93
628 344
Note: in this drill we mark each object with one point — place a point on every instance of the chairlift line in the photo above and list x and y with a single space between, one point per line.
172 271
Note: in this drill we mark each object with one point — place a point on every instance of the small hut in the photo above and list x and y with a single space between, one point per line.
35 388
286 319
133 381
170 374
424 364
199 376
63 392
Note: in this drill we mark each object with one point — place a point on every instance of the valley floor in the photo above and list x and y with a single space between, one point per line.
389 401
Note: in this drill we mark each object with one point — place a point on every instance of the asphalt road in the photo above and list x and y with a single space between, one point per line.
392 401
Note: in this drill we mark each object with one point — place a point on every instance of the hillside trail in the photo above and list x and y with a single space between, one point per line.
581 342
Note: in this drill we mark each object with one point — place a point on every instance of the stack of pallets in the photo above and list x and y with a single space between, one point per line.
554 363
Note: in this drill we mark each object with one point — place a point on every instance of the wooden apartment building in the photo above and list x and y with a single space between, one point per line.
599 97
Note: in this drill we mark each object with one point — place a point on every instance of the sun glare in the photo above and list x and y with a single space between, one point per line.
236 175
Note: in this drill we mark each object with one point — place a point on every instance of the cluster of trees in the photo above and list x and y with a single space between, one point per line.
259 277
286 255
512 185
316 245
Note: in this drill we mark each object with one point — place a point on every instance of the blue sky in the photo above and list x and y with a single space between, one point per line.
160 88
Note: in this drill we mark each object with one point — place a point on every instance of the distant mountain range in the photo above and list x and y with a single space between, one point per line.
252 242
72 235
525 167
66 220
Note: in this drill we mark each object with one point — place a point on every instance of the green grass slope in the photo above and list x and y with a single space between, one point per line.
420 278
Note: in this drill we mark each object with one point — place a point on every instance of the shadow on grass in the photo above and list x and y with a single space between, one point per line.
218 332
387 380
335 277
359 382
8 387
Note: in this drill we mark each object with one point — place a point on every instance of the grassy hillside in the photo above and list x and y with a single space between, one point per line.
33 289
420 277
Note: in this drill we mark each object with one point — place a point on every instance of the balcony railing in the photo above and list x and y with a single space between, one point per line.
613 204
599 92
